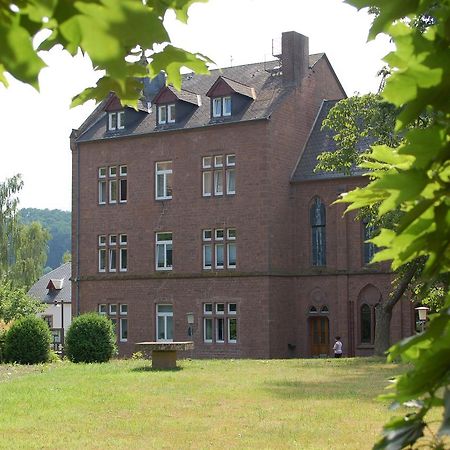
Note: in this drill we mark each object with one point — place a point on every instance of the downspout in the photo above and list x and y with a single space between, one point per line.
77 233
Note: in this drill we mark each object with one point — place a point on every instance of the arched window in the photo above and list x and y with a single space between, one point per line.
317 218
369 249
366 324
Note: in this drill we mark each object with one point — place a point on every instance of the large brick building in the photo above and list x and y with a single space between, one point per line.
202 206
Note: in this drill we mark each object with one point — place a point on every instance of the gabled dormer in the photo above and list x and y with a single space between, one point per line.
115 114
229 98
174 106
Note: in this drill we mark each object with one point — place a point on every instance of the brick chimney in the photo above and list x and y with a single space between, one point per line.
294 57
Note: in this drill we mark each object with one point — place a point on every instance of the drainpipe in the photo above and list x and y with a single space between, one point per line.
77 233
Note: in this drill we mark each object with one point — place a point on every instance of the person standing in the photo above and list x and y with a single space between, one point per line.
337 347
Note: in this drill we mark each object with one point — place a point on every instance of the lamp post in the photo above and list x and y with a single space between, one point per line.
423 311
61 305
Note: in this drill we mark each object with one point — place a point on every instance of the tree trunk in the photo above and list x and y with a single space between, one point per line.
383 311
383 315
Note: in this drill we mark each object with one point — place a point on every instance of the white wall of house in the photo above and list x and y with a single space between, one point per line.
55 311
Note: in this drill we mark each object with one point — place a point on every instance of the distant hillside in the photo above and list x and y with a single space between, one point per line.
58 223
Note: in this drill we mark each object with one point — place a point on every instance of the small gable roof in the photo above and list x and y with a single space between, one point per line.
170 94
53 286
235 86
320 141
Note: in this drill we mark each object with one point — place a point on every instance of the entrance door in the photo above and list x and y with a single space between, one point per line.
319 336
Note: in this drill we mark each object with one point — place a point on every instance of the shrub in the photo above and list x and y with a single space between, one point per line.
28 341
91 338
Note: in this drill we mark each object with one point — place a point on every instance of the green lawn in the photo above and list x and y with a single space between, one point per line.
307 404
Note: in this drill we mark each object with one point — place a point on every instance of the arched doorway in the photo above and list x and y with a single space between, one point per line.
319 336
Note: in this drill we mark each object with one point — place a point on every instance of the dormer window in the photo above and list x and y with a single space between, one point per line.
166 114
221 106
116 120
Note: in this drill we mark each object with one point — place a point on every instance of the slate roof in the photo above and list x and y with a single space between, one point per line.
268 87
39 289
322 141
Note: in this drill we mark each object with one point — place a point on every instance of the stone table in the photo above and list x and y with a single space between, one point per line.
164 354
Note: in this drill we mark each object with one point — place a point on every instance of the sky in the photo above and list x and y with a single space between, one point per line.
35 127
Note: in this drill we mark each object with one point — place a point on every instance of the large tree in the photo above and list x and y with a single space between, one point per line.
116 34
23 247
415 179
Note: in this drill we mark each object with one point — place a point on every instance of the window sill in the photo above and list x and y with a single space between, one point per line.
162 198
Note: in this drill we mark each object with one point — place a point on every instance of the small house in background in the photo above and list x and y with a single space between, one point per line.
54 290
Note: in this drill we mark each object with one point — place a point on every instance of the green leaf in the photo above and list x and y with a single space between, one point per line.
401 432
17 55
172 59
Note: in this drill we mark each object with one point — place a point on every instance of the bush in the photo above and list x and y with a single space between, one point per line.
91 338
28 341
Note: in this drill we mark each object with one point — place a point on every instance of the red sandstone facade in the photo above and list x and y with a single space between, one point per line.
276 304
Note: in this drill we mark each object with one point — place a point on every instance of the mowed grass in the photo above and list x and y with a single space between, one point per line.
226 404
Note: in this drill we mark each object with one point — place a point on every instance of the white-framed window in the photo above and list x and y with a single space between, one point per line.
102 192
102 240
218 182
231 181
123 329
218 175
231 160
162 114
164 251
220 257
123 309
123 239
207 329
116 120
207 235
207 256
102 259
231 234
221 106
226 106
112 309
123 171
218 234
112 258
112 121
217 107
220 323
123 184
112 191
220 330
123 256
207 181
232 330
112 239
207 162
163 180
164 323
171 113
112 184
231 255
102 309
